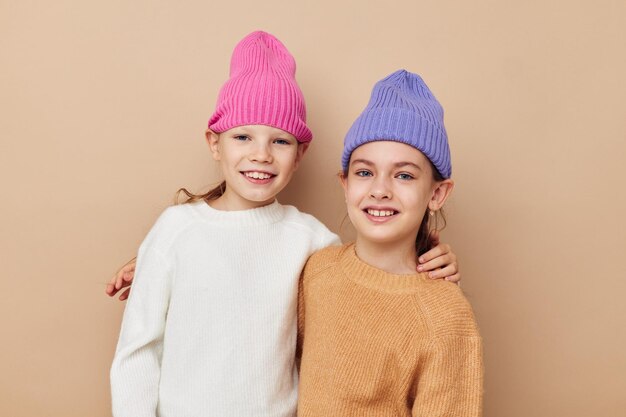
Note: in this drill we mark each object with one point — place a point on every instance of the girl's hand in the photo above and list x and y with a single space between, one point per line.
122 279
440 262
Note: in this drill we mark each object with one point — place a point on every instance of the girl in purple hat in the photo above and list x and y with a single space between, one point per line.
375 338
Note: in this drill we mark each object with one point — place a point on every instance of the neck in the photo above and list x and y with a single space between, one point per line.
395 258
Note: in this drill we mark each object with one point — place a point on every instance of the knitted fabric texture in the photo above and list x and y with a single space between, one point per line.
374 344
403 109
210 325
262 89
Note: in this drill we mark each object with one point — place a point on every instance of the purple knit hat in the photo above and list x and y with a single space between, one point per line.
402 109
262 89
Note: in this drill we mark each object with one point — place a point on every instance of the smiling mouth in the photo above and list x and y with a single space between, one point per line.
380 213
257 175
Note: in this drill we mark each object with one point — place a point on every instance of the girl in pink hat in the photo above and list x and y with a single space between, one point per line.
210 326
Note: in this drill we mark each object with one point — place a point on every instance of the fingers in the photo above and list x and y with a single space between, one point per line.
447 271
124 295
439 262
110 289
117 277
121 279
124 276
126 279
456 278
437 251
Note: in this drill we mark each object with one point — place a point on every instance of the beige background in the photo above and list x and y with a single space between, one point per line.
102 111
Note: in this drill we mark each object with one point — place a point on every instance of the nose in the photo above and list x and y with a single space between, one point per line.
261 153
380 188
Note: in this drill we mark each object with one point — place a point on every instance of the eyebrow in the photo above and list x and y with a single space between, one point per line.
402 164
243 130
240 131
362 161
396 165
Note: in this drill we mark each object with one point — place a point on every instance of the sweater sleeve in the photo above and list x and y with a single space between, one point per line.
135 372
450 380
326 238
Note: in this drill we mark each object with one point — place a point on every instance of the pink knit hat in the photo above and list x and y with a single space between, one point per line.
262 89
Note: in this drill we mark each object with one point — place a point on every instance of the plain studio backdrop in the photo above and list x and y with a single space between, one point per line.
103 105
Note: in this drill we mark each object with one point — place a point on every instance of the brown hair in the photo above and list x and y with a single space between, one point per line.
211 195
422 242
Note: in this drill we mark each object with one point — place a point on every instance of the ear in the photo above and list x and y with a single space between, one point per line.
212 138
302 148
440 194
343 180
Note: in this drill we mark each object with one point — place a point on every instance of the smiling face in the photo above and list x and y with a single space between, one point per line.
257 163
388 188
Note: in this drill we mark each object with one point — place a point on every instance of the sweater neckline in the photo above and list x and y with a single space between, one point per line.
371 277
268 214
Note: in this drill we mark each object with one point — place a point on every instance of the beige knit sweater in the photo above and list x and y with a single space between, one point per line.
378 344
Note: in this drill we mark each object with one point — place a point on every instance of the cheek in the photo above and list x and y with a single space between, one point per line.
354 194
287 159
288 169
228 155
418 200
227 161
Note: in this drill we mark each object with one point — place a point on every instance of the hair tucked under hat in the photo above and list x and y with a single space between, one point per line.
402 109
262 89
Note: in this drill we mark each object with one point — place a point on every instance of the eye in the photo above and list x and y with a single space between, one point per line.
241 137
280 141
363 173
405 176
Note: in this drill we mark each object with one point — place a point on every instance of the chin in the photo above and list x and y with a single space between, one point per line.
381 236
260 197
378 237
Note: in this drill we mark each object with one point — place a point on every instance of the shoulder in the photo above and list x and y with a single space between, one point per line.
323 259
169 225
304 220
307 223
447 311
173 218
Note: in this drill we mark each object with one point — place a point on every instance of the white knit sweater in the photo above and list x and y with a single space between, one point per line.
210 326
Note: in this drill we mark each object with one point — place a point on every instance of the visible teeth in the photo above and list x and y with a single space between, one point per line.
257 175
380 213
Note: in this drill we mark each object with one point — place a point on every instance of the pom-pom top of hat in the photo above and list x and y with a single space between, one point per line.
403 109
262 89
